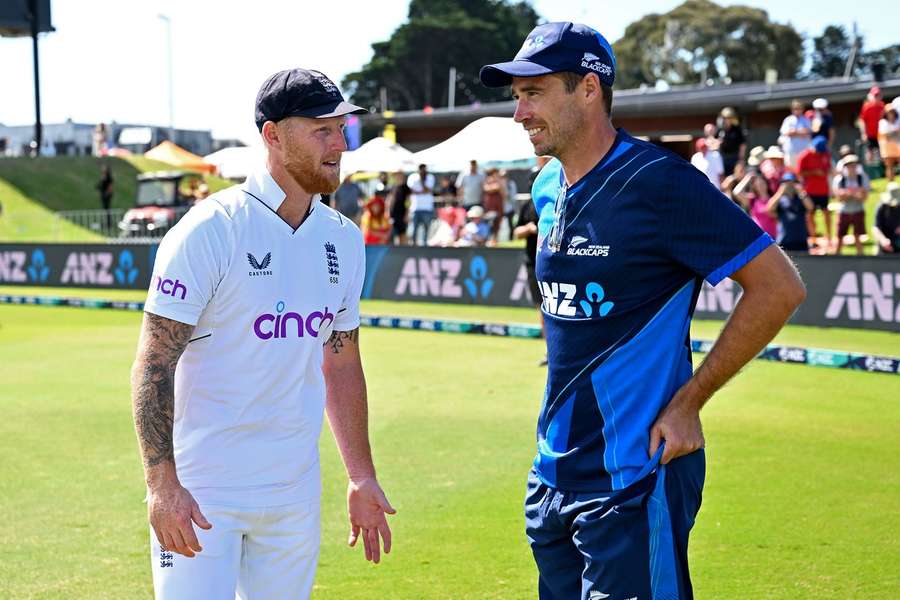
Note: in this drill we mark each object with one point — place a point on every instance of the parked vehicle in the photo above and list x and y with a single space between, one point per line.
162 199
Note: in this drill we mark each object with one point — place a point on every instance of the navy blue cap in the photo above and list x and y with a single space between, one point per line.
554 48
301 93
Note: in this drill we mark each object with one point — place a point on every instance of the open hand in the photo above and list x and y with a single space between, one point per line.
367 506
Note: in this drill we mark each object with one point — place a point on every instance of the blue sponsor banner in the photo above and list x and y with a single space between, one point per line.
842 291
487 276
111 266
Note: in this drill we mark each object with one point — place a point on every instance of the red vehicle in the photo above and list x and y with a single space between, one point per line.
162 198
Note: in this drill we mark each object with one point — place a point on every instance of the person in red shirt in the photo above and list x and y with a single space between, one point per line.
814 168
869 115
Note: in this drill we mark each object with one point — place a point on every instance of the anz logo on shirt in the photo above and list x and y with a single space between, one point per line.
564 300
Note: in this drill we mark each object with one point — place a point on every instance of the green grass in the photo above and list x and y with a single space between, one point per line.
25 220
852 340
800 499
32 189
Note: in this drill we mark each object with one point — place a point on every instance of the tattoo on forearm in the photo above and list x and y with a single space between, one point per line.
153 386
339 339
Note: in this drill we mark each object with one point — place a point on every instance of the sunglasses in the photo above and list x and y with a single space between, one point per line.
554 240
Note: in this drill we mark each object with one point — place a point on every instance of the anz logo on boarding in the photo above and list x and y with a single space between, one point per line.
564 300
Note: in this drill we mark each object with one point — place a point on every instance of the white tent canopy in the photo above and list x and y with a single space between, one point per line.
378 154
487 140
236 162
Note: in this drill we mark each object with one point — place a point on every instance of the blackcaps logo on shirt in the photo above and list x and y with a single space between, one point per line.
589 250
331 259
259 267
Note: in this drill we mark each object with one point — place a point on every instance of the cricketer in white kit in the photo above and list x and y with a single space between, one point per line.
250 334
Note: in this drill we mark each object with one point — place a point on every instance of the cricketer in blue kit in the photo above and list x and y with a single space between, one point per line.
627 233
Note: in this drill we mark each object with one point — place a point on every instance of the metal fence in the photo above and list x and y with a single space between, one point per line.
110 225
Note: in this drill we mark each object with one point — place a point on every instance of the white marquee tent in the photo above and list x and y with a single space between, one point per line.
489 140
378 154
236 162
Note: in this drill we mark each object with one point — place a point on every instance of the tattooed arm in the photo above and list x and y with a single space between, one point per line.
171 508
348 414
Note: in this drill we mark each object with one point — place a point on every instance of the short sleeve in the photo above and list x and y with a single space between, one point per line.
720 165
836 184
701 228
190 262
543 194
786 125
347 317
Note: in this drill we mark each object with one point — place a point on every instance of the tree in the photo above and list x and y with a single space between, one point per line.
414 63
831 50
889 57
700 40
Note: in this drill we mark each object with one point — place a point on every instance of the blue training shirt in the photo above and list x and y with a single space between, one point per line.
643 229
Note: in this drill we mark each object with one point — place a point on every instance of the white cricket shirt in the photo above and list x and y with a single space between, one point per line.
263 299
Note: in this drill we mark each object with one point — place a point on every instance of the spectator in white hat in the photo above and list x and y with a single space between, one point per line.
772 167
477 231
823 121
851 190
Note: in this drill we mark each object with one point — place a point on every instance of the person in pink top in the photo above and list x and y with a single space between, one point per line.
753 194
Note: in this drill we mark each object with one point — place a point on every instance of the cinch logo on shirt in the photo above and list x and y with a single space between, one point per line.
268 325
169 287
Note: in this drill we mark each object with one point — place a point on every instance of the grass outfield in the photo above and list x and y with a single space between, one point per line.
874 342
800 498
32 189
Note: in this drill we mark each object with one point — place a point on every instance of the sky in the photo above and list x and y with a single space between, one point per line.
107 59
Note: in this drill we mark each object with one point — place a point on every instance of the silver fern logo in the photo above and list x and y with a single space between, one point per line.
259 267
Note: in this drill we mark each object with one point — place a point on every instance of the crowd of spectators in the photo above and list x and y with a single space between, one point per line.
783 186
425 209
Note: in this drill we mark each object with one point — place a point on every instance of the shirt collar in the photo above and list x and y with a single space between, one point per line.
261 185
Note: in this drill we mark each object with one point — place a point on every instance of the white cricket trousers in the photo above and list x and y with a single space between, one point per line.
250 553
